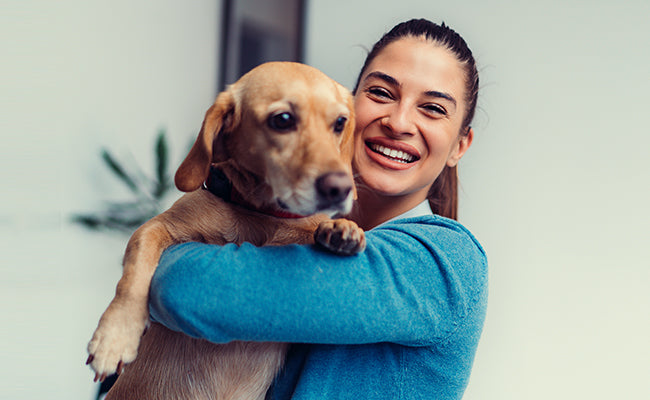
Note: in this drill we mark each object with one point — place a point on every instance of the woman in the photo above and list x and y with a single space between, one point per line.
402 319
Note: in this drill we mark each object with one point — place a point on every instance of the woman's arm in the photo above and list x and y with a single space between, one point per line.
412 285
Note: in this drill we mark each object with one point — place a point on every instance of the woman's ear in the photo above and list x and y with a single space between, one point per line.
463 143
195 168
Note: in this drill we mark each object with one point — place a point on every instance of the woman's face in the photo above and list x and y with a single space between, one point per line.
409 110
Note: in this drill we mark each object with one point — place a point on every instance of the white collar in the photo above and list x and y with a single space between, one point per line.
420 210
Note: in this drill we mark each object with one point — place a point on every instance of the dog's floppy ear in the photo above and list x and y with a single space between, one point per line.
347 138
196 166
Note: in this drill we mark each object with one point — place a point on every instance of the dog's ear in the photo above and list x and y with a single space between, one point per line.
347 136
196 166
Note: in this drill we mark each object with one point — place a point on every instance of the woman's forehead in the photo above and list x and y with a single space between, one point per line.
421 62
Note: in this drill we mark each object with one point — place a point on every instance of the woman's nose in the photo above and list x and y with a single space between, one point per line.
399 121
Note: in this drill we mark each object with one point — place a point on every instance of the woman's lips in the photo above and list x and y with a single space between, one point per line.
391 154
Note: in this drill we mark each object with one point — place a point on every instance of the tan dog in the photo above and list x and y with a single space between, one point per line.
282 136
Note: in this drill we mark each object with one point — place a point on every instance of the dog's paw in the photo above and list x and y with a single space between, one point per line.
114 343
340 236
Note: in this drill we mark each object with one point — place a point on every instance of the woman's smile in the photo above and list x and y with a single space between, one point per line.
391 154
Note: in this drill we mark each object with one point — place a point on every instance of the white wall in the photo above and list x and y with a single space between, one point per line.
555 186
75 76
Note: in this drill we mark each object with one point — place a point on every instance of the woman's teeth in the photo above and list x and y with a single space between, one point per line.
397 155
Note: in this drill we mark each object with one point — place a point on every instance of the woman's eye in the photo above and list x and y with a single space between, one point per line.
339 124
434 109
379 92
282 121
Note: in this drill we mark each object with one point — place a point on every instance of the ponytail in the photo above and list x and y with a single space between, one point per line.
443 195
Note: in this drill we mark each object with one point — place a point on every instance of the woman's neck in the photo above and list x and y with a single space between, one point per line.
372 209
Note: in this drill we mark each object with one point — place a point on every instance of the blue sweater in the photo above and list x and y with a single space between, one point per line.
401 320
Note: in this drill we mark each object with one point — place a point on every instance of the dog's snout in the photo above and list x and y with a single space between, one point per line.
334 187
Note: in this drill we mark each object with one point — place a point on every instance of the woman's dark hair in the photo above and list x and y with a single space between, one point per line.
443 195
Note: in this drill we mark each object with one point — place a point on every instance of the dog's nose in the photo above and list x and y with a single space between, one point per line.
334 187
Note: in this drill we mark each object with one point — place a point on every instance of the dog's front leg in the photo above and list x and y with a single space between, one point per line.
340 236
116 339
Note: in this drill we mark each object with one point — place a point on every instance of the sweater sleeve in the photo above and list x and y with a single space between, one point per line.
414 283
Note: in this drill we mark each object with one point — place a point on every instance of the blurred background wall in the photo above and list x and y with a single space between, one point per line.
77 76
555 185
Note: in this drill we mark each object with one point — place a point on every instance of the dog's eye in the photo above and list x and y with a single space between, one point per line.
282 121
340 124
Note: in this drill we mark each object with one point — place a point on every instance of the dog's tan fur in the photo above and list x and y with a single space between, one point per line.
267 168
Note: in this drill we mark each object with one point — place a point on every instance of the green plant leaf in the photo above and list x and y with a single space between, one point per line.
162 162
118 170
126 216
89 221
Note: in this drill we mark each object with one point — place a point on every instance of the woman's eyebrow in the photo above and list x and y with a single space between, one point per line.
440 95
384 77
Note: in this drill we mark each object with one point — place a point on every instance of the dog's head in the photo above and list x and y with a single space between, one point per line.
283 136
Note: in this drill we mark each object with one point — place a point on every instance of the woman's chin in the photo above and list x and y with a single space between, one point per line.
380 184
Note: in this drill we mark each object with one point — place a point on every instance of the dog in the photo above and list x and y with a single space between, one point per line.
270 166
